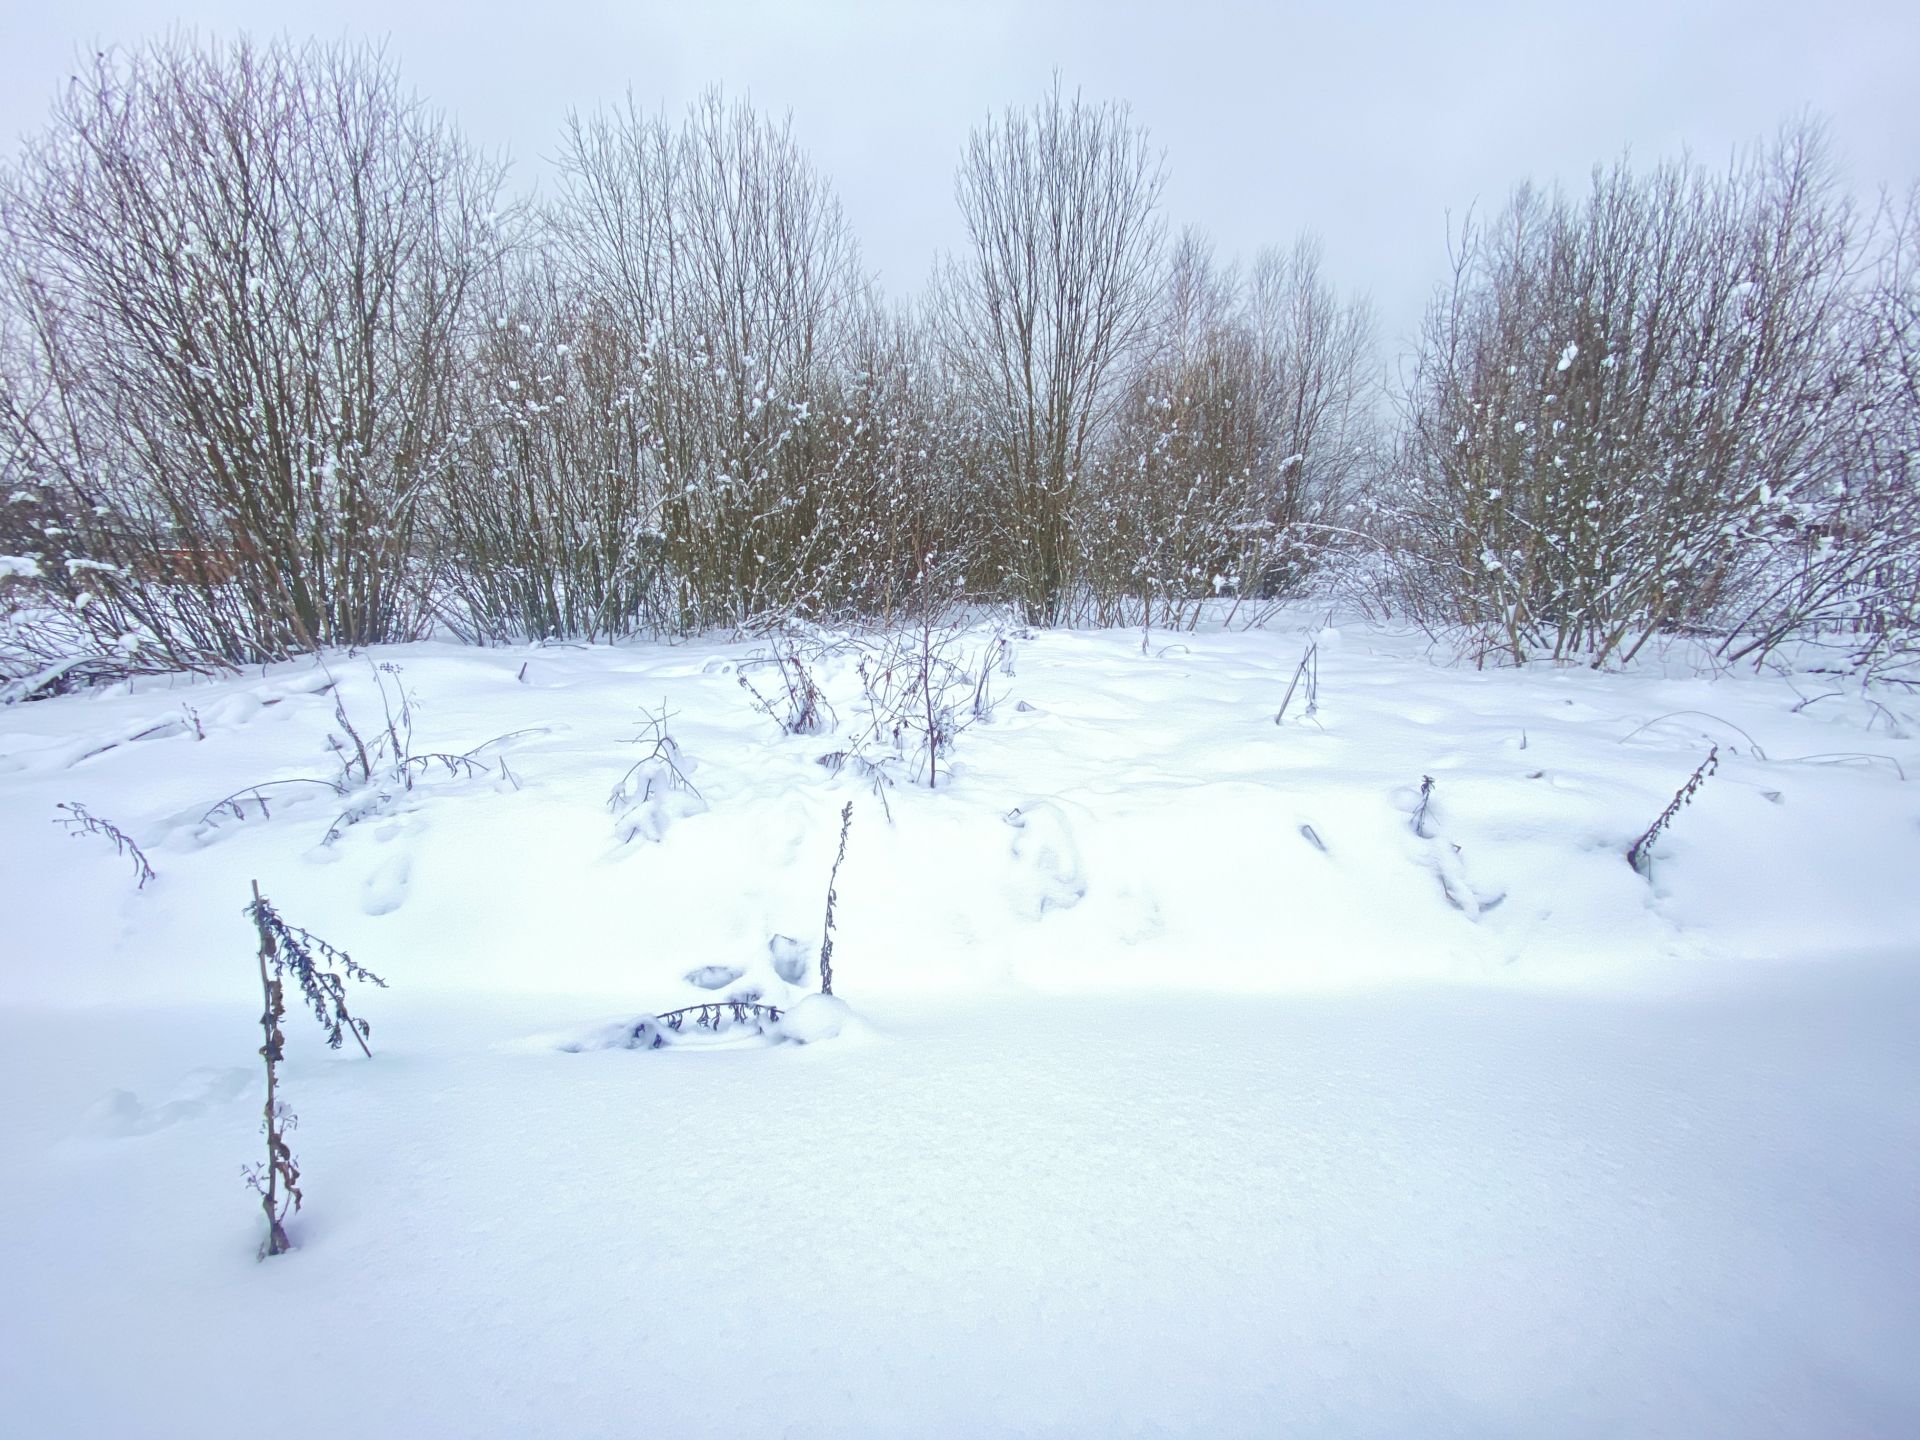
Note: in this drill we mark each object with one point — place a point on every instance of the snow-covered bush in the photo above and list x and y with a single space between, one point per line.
721 259
1625 413
323 389
1870 597
1236 446
547 517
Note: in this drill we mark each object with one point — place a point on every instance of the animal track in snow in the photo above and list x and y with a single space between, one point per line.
791 959
386 888
121 1113
1049 875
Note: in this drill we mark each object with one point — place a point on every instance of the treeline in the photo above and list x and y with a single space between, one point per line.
282 366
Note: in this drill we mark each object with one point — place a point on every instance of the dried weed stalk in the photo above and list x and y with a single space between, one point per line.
833 897
1640 853
81 821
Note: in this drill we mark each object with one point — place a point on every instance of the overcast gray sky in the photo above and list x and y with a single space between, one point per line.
1366 122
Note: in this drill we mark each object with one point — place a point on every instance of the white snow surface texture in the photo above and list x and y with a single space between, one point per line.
1182 1085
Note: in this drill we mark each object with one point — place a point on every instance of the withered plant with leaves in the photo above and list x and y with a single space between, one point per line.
798 707
872 773
322 973
1420 810
321 970
651 1032
923 686
277 1181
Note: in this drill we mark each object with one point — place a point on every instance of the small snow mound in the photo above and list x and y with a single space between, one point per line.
648 818
816 1018
234 710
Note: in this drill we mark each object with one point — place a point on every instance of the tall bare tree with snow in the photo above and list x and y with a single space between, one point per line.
1040 319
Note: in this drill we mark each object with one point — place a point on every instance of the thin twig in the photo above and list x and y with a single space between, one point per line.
81 821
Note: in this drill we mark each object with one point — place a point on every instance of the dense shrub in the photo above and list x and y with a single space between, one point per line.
1627 412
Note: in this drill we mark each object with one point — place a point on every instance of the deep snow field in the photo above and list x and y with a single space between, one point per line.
1190 1086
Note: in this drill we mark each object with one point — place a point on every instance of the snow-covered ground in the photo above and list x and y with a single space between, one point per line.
1192 1088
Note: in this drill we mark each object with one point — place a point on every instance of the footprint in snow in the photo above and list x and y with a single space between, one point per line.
121 1113
1048 873
386 887
1449 863
791 959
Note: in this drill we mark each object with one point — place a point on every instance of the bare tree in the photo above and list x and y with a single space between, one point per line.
1039 320
244 271
1860 571
1175 512
723 258
547 519
1317 393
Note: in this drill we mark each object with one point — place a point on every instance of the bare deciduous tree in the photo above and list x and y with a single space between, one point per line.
243 269
723 259
1317 389
1038 321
